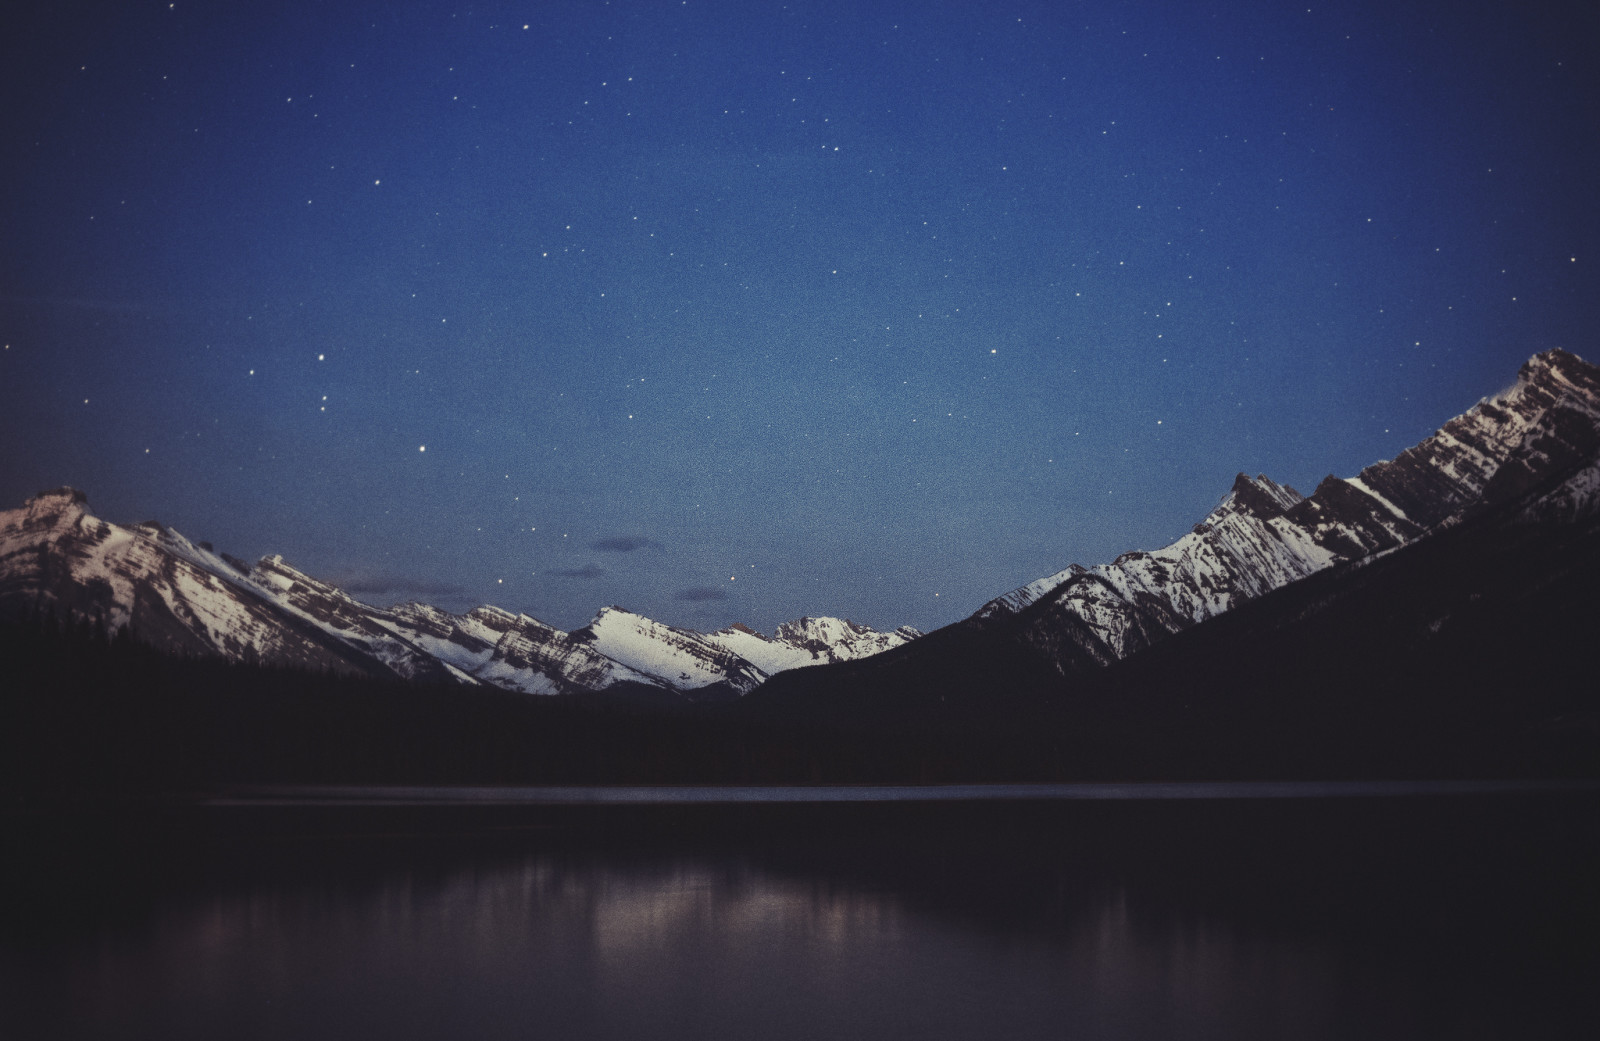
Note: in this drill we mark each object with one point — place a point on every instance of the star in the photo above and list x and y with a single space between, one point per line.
712 282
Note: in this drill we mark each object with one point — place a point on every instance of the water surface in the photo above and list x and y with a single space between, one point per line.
388 795
1450 915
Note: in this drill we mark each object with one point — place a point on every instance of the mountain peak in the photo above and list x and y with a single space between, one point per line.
67 494
1560 363
1263 496
835 639
1259 496
58 509
60 501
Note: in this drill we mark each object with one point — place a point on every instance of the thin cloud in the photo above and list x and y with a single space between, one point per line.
700 594
371 583
624 544
587 571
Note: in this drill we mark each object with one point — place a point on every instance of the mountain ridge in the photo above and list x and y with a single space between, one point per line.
1536 445
1264 535
185 598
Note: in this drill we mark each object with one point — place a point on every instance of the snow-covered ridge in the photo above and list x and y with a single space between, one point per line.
185 597
1264 535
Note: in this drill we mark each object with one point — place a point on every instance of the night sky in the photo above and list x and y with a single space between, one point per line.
743 311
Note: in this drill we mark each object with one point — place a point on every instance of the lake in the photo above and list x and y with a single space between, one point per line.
1116 912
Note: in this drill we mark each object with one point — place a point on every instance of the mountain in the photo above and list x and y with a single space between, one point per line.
185 598
1467 652
1531 454
1264 535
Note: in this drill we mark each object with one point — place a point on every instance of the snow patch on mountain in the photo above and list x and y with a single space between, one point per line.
681 659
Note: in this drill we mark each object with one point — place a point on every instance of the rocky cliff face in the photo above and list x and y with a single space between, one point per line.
187 599
1543 433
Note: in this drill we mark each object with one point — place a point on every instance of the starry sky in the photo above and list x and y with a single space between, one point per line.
741 311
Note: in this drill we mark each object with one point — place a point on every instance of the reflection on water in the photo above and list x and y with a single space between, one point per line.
1452 918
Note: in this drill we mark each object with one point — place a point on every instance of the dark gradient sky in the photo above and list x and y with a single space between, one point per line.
881 309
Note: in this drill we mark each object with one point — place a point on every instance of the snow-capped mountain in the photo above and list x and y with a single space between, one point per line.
1500 503
1544 431
186 598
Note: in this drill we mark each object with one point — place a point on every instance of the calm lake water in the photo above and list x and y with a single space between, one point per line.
1444 915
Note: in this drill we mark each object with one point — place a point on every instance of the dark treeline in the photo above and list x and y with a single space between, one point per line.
1470 653
91 712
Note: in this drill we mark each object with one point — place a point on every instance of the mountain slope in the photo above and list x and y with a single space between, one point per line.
1264 535
1467 652
187 599
1535 446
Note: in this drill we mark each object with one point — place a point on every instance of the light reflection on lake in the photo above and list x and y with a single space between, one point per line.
1192 920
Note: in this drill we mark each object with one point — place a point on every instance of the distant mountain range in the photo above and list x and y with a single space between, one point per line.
186 598
1533 450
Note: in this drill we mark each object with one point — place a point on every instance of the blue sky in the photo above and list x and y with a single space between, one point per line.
742 311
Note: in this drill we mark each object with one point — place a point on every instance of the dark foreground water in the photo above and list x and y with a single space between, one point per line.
1445 915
